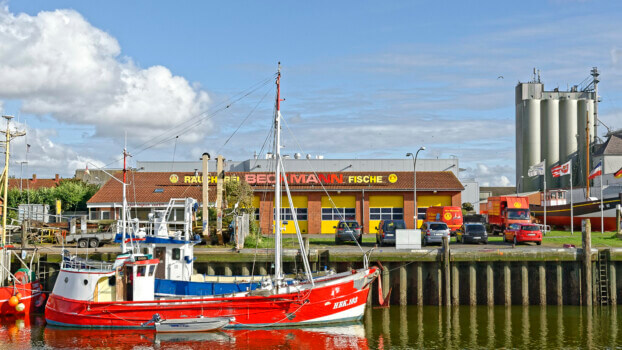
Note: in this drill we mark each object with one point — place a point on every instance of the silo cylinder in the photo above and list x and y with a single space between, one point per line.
567 134
550 138
531 142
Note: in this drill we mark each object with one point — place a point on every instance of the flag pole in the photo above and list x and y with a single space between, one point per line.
602 208
571 209
545 198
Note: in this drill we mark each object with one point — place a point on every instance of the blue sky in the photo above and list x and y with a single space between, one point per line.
361 79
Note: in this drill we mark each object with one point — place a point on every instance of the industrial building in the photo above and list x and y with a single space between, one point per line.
553 126
323 190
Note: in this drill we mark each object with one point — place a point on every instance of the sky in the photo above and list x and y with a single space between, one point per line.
360 79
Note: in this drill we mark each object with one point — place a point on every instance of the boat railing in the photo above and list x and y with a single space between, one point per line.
77 263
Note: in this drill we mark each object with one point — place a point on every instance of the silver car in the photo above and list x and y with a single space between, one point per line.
349 230
433 232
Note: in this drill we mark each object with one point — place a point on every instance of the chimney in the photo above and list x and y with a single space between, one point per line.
56 178
34 177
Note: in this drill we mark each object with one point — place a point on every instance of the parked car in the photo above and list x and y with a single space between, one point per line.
472 232
433 232
349 230
524 233
386 231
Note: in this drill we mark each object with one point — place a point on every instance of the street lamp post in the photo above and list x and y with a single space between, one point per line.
414 157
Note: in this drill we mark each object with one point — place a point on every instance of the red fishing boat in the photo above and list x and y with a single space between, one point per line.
121 295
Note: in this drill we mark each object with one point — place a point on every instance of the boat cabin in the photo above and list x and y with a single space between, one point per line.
553 197
130 281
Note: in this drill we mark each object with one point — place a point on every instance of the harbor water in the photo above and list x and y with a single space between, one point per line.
406 327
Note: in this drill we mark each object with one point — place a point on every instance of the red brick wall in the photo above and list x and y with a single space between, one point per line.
314 212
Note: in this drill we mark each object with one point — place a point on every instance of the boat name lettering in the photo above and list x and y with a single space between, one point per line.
345 303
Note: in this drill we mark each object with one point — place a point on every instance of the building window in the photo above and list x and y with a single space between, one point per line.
286 214
386 213
105 215
338 213
94 215
257 214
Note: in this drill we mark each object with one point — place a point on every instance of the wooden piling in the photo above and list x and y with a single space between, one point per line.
246 271
403 286
558 283
587 261
613 288
455 285
507 285
542 275
446 271
472 285
210 269
419 284
228 270
524 284
385 279
490 296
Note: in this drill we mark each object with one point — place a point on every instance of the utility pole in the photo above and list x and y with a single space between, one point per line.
5 198
205 182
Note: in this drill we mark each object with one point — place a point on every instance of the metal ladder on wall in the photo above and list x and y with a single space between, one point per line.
603 277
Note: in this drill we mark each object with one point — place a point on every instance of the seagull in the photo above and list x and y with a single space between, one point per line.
500 77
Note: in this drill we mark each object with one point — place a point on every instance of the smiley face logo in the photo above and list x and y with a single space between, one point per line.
392 178
447 216
516 205
174 178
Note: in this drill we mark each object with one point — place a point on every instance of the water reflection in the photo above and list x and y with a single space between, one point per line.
396 327
343 337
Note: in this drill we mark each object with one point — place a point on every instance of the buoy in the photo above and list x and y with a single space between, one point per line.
13 301
20 307
18 295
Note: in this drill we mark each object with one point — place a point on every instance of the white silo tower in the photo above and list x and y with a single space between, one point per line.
551 126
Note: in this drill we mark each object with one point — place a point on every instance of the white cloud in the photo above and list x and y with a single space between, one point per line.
44 156
58 64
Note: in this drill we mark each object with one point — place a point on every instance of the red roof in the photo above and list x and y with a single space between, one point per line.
158 187
34 183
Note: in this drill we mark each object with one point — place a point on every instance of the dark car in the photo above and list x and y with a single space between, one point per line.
386 231
349 230
433 232
472 232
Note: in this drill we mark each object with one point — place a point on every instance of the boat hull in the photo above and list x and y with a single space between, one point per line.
559 215
331 302
32 298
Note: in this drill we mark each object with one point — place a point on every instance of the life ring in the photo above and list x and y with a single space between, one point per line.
21 277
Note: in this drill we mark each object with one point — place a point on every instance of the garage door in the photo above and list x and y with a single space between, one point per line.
300 207
384 208
341 207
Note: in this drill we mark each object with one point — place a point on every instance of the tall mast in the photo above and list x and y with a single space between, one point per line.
587 155
278 264
123 210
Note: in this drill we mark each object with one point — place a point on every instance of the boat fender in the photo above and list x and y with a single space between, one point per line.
188 260
20 307
13 301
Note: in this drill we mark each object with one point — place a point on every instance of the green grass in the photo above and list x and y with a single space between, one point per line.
552 239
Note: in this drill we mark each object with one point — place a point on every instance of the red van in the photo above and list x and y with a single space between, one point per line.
452 216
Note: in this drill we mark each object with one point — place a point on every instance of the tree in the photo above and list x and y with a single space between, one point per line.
73 195
467 206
